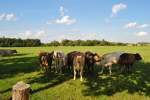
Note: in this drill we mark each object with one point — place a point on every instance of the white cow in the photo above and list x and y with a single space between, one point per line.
59 60
109 59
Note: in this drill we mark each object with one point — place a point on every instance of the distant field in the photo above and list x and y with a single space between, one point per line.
24 66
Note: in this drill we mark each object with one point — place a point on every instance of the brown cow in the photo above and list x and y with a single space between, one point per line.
90 60
45 60
78 64
127 60
70 57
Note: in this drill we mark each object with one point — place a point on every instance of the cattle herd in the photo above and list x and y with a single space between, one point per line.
84 62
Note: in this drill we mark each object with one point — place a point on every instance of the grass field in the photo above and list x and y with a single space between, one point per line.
24 66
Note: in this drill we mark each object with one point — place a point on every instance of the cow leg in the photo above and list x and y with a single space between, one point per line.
56 66
110 70
127 68
131 68
74 78
81 73
122 68
102 70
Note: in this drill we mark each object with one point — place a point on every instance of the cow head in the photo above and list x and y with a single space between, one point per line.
138 56
45 59
97 58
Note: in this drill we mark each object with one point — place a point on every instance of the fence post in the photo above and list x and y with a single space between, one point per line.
21 91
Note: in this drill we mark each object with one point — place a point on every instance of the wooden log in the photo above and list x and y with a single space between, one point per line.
21 91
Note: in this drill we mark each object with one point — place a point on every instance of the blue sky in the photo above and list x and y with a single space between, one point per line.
48 20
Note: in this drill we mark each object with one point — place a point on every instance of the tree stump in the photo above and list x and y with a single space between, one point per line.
21 91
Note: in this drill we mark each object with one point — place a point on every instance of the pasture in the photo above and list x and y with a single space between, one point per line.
24 66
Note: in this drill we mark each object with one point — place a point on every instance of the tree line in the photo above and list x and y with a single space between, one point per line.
84 43
13 42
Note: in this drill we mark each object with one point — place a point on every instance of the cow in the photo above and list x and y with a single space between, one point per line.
5 52
127 60
45 59
69 59
109 59
59 59
78 64
90 60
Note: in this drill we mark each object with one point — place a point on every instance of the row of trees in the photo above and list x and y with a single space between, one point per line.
84 43
13 42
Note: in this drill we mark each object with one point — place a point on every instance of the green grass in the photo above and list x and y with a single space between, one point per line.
24 67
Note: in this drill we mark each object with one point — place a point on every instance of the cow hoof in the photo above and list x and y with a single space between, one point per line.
81 80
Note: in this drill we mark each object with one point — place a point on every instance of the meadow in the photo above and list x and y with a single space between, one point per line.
24 67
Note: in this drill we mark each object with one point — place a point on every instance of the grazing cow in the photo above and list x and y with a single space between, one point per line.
59 61
109 59
90 60
78 64
127 60
5 52
45 60
70 57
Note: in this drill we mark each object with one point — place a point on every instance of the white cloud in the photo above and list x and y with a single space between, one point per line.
118 7
79 36
62 11
7 17
135 25
2 16
40 34
131 25
143 26
67 20
64 19
142 33
25 35
31 35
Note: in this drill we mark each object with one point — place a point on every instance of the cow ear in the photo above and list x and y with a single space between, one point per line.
95 54
137 53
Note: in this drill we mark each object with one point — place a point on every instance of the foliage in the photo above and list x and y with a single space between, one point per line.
13 42
84 43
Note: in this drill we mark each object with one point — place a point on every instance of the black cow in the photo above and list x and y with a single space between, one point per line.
127 60
90 60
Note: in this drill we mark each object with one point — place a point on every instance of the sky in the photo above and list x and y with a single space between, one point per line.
48 20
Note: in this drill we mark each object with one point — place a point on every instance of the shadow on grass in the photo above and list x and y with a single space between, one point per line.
50 80
13 55
13 66
137 82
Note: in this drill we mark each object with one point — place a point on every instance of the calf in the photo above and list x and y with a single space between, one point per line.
127 60
90 60
78 64
109 59
45 60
